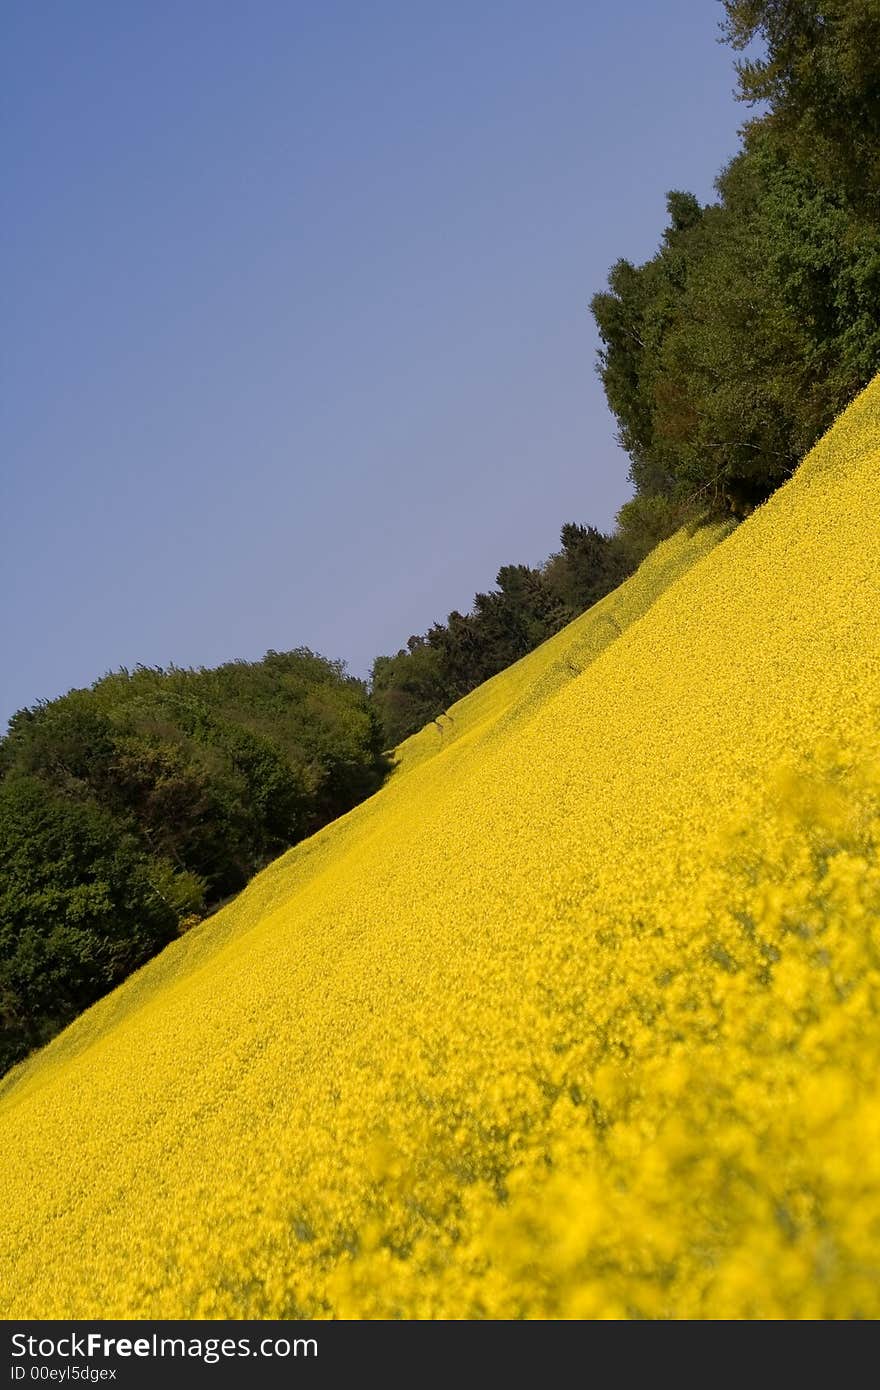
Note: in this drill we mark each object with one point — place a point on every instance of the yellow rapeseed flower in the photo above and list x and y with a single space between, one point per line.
578 1017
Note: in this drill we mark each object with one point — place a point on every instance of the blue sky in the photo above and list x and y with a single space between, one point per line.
298 349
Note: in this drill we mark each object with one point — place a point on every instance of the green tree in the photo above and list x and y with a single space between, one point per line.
409 689
731 350
588 566
131 807
819 74
78 910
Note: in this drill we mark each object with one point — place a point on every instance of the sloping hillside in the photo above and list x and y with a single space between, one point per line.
577 1017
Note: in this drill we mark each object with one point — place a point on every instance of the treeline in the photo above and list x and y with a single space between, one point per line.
729 352
527 606
129 809
726 355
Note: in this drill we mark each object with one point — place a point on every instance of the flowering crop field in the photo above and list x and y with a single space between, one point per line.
578 1017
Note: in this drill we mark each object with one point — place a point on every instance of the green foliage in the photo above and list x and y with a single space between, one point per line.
820 74
409 689
80 907
726 355
645 521
128 809
527 606
589 565
504 625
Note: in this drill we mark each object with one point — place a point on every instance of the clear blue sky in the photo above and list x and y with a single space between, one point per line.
297 344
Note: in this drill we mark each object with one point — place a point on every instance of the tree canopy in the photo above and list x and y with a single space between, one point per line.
732 349
129 809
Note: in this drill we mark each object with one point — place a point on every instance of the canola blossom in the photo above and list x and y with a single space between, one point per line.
578 1017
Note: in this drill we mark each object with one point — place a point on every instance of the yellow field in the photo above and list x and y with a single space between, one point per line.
578 1017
